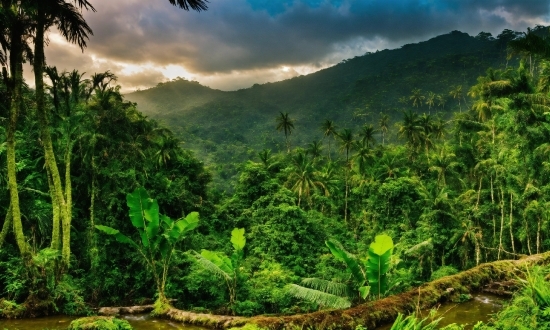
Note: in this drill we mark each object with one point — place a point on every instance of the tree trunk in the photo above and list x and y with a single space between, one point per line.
511 231
55 244
500 248
6 227
16 65
45 135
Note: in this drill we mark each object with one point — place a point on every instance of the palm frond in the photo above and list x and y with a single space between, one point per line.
211 267
318 297
330 287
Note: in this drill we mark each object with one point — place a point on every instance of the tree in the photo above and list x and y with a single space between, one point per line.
329 129
15 31
346 144
158 235
367 135
196 5
226 268
71 24
416 97
383 123
303 178
456 93
285 124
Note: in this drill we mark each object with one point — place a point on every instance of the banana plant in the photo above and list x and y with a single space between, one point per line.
224 267
158 234
353 266
378 263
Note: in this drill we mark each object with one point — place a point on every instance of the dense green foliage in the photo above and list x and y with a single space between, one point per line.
450 191
226 128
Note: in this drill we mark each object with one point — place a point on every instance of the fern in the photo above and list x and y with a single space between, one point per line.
212 267
321 298
330 287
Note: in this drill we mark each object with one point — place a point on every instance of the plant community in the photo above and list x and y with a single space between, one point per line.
103 206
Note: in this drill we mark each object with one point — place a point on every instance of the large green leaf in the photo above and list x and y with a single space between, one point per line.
378 263
237 239
152 216
350 260
222 262
118 235
190 222
138 201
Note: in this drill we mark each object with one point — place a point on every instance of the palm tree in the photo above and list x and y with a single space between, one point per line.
15 28
367 135
285 124
71 24
430 100
416 97
196 5
383 123
329 129
346 144
441 101
314 149
303 178
411 129
456 94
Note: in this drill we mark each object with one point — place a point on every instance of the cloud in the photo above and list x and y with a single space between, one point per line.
236 39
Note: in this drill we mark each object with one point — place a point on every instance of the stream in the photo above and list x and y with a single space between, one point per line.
479 308
60 322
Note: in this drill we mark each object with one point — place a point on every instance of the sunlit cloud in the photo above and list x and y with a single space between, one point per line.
237 43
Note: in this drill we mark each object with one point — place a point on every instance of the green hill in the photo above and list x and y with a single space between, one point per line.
225 128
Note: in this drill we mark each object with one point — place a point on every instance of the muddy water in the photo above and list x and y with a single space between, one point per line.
139 322
480 308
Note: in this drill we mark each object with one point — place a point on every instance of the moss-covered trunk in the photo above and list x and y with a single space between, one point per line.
378 312
16 68
45 135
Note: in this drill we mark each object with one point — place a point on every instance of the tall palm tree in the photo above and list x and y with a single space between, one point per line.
329 129
430 100
383 124
15 28
285 124
416 97
67 18
456 93
346 144
314 149
367 135
411 129
303 178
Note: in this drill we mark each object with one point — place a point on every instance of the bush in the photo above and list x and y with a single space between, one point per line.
442 272
99 323
10 309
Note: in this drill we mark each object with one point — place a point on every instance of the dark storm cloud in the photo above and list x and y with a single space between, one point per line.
247 35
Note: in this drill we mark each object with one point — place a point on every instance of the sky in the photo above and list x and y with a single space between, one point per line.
236 43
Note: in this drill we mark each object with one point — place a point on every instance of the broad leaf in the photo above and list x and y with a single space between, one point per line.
152 216
364 291
213 263
190 222
220 260
237 239
137 202
378 263
348 259
118 235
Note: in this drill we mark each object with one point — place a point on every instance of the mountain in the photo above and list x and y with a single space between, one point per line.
226 128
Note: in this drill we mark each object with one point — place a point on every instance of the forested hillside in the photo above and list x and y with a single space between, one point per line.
228 127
